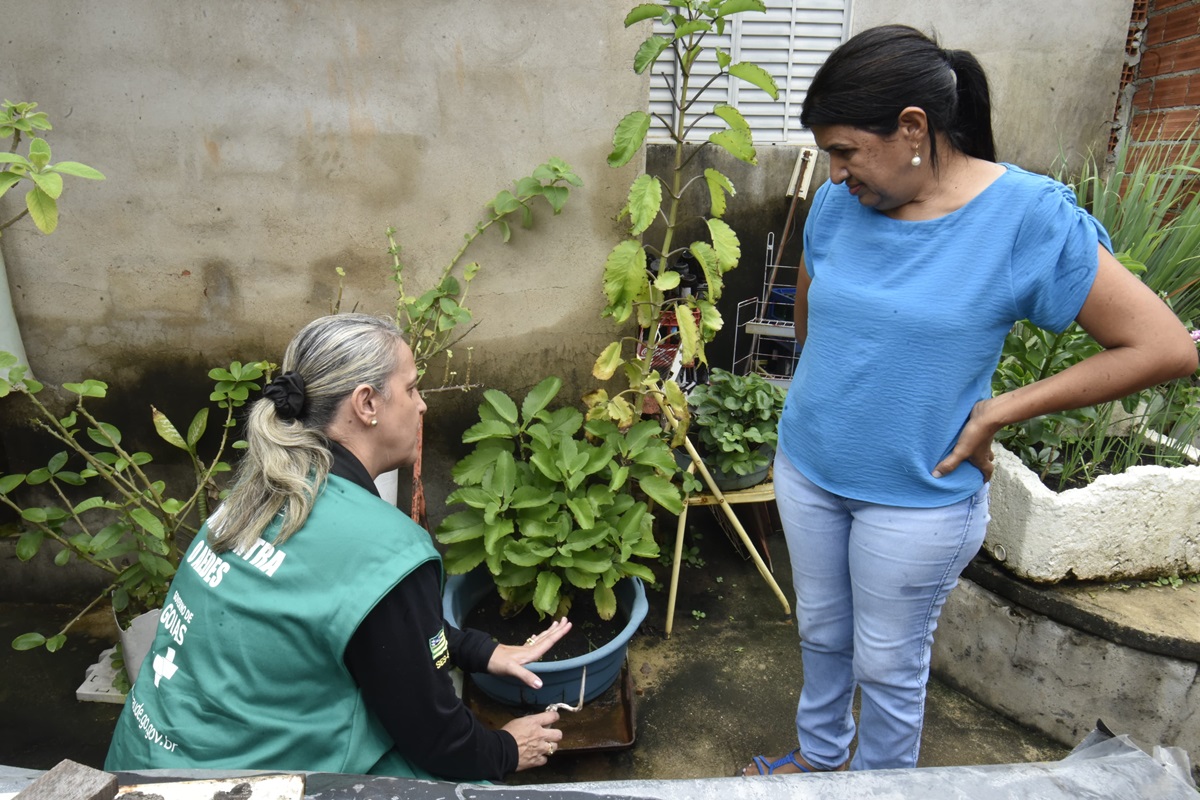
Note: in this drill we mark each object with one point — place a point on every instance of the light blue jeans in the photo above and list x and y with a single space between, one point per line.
870 583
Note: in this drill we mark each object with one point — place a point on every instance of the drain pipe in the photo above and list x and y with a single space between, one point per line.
10 333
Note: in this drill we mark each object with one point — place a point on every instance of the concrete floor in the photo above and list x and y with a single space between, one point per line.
722 689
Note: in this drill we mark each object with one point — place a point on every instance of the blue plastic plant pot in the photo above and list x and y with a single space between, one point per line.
560 679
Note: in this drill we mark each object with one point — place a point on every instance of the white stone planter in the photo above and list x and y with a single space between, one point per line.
1142 523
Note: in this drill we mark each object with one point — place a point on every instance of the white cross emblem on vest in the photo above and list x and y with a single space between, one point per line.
165 667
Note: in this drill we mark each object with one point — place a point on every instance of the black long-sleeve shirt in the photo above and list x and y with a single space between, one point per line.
396 658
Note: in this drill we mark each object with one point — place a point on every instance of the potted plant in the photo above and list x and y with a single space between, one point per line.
558 501
98 502
1113 491
735 420
555 507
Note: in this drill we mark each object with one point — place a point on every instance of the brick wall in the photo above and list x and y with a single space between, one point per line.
1166 78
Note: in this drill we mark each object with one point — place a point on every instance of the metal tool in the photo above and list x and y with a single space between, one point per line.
578 706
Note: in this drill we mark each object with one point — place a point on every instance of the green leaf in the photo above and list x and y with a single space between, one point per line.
689 336
737 143
667 280
39 152
470 470
106 436
545 596
731 7
756 75
606 601
718 187
197 428
503 405
606 365
649 52
34 514
76 169
151 523
645 200
488 429
166 429
28 641
48 182
726 244
662 491
539 397
89 388
643 12
7 181
43 209
462 526
689 28
10 482
625 279
55 643
62 557
29 543
628 137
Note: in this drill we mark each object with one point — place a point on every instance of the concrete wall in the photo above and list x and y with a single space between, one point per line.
252 147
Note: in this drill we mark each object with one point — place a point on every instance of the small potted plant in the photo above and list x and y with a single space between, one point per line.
555 509
734 418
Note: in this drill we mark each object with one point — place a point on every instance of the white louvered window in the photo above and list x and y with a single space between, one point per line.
790 41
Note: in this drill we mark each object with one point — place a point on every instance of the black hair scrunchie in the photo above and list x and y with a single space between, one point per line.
286 391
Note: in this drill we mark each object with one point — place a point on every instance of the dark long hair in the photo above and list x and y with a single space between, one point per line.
868 80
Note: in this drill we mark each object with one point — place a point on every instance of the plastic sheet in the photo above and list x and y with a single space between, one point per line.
1101 766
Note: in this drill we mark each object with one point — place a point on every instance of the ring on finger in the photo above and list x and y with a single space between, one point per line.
531 640
550 752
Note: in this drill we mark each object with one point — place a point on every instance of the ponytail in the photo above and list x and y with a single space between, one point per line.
972 133
287 456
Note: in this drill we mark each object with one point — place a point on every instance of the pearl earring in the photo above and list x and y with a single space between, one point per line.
916 159
374 422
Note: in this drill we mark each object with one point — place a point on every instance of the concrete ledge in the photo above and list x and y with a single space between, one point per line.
1057 679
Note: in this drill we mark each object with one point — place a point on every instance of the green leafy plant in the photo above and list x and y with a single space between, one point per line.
640 277
432 319
46 179
1148 203
735 419
97 502
554 506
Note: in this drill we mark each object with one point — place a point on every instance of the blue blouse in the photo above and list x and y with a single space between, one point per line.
906 321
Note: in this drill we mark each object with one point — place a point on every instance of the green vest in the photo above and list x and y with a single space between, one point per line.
246 670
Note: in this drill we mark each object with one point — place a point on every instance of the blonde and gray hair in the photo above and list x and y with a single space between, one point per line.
287 460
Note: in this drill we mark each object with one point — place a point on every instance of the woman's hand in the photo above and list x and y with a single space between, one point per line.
509 659
974 444
536 740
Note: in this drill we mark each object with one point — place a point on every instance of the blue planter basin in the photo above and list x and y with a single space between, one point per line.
560 679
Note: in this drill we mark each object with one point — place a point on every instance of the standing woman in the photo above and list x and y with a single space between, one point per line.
303 630
919 255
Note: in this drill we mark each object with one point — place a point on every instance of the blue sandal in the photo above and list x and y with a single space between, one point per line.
766 767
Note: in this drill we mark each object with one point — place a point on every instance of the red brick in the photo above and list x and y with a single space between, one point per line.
1160 5
1178 24
1163 125
1165 59
1141 98
1172 92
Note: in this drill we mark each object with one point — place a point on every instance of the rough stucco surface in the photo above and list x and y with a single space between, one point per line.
252 147
1144 522
1053 67
1059 681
